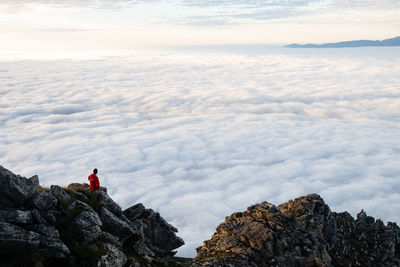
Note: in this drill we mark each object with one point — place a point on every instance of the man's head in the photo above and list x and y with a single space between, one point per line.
95 171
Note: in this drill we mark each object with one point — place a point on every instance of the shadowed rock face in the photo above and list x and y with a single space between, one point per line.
77 227
300 232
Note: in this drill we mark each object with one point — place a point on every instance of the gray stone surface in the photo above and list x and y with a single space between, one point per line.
115 225
77 204
89 223
59 193
160 233
14 190
15 239
16 216
105 200
300 232
43 200
34 181
114 257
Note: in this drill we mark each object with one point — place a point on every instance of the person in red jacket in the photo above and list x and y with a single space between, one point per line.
94 180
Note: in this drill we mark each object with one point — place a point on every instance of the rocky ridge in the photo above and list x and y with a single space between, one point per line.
300 232
76 227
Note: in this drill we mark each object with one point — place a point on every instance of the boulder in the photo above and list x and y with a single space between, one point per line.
34 181
43 200
87 221
16 240
105 200
89 224
116 226
113 258
160 233
81 206
15 190
59 194
16 216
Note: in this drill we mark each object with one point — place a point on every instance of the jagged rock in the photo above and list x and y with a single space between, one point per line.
43 200
113 258
34 181
16 216
115 225
105 200
37 217
160 233
49 231
15 239
59 194
112 239
301 232
63 227
79 205
89 224
87 221
14 190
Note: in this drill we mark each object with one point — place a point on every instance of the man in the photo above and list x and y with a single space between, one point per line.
94 180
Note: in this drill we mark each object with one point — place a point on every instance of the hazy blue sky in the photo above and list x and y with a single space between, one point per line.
27 24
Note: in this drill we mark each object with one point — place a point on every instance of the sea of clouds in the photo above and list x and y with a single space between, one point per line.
200 135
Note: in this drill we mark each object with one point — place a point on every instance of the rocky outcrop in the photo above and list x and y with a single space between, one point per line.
74 226
300 232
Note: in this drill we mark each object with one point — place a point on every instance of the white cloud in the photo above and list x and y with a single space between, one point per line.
198 136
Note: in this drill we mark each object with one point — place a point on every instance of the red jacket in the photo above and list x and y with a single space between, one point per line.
94 182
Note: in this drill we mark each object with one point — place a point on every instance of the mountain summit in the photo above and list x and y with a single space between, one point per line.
75 226
300 232
358 43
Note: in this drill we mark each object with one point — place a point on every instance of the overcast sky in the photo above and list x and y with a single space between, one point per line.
43 24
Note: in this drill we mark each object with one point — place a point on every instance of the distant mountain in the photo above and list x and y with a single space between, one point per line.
358 43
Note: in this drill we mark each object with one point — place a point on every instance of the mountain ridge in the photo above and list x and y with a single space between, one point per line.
356 43
74 226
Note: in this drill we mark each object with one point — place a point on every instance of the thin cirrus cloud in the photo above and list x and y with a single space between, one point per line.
202 135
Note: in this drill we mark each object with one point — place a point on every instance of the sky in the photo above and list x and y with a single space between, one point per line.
122 24
199 135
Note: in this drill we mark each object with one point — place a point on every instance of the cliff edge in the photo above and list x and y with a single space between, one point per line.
300 232
74 226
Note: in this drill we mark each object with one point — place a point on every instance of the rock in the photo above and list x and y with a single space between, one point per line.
114 257
87 221
160 233
59 194
48 231
16 240
116 226
16 216
81 206
106 201
112 239
34 181
300 232
14 190
75 227
43 200
89 224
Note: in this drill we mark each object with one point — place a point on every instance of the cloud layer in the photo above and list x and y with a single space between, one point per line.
197 136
